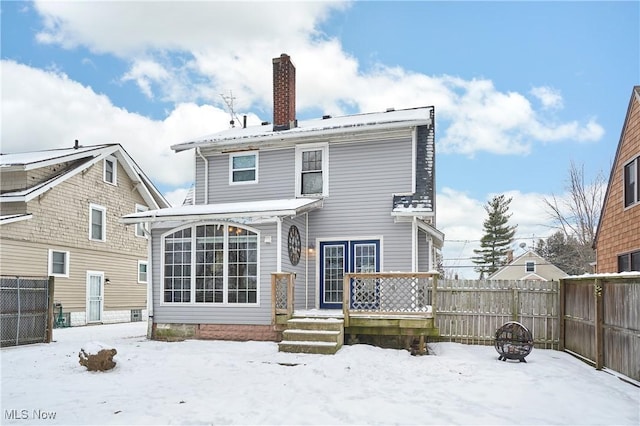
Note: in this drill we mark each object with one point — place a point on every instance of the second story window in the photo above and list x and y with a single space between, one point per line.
631 186
530 266
312 170
243 168
97 223
110 170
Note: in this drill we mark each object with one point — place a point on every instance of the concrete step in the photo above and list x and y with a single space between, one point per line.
306 347
327 324
311 335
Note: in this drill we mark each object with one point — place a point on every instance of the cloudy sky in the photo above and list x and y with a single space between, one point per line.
521 89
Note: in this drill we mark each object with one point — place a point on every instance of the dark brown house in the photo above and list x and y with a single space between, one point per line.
617 241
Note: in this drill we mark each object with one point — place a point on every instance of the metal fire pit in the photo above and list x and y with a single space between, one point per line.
513 341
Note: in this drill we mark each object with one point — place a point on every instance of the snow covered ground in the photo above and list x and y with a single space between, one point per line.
215 382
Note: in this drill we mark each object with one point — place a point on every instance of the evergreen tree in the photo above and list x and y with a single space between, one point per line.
497 239
567 253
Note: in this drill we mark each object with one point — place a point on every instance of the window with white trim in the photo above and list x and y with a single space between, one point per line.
142 271
97 223
243 168
140 227
530 266
111 170
312 165
631 184
210 263
58 263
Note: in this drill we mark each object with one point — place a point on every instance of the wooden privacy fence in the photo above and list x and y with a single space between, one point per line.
470 311
26 310
600 321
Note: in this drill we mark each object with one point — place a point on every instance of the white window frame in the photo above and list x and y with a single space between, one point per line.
324 147
114 161
66 264
526 266
231 169
635 167
225 301
102 209
146 264
140 227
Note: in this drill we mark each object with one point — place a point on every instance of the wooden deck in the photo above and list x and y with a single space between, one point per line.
378 308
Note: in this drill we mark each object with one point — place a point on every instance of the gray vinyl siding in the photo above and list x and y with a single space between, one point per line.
199 185
201 313
276 178
304 292
423 252
363 178
361 189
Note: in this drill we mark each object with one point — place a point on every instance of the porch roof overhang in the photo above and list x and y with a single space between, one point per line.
267 209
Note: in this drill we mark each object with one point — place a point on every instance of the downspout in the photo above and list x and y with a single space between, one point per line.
306 263
149 283
278 244
414 244
206 177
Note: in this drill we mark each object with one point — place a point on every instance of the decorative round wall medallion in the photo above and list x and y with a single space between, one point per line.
294 245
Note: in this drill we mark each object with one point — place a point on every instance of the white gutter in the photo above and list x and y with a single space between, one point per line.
279 244
306 263
206 178
414 244
149 283
352 132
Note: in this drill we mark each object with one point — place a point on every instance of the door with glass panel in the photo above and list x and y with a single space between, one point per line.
95 296
339 257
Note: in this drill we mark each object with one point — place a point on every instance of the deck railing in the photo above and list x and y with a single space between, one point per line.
393 293
282 295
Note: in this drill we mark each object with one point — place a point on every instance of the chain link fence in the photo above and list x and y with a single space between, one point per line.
25 310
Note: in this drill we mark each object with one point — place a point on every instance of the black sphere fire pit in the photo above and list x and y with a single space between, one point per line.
513 341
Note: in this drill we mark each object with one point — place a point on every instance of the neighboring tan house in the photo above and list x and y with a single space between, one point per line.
60 212
529 266
316 198
617 241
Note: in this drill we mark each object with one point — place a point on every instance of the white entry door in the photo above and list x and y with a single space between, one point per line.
95 298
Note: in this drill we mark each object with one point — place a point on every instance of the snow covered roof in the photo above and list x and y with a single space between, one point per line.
245 209
36 159
388 120
80 159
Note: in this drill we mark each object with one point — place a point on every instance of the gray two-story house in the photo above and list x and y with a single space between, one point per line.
313 199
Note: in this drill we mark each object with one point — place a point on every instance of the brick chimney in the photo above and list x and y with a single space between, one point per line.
284 93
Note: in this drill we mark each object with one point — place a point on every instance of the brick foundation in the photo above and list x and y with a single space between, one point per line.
238 332
234 332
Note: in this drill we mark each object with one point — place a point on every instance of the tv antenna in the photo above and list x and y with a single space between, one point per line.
229 101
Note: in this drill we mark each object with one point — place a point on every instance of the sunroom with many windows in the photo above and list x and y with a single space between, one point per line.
214 263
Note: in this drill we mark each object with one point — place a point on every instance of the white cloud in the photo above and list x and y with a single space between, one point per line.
549 97
45 110
194 51
177 196
460 217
